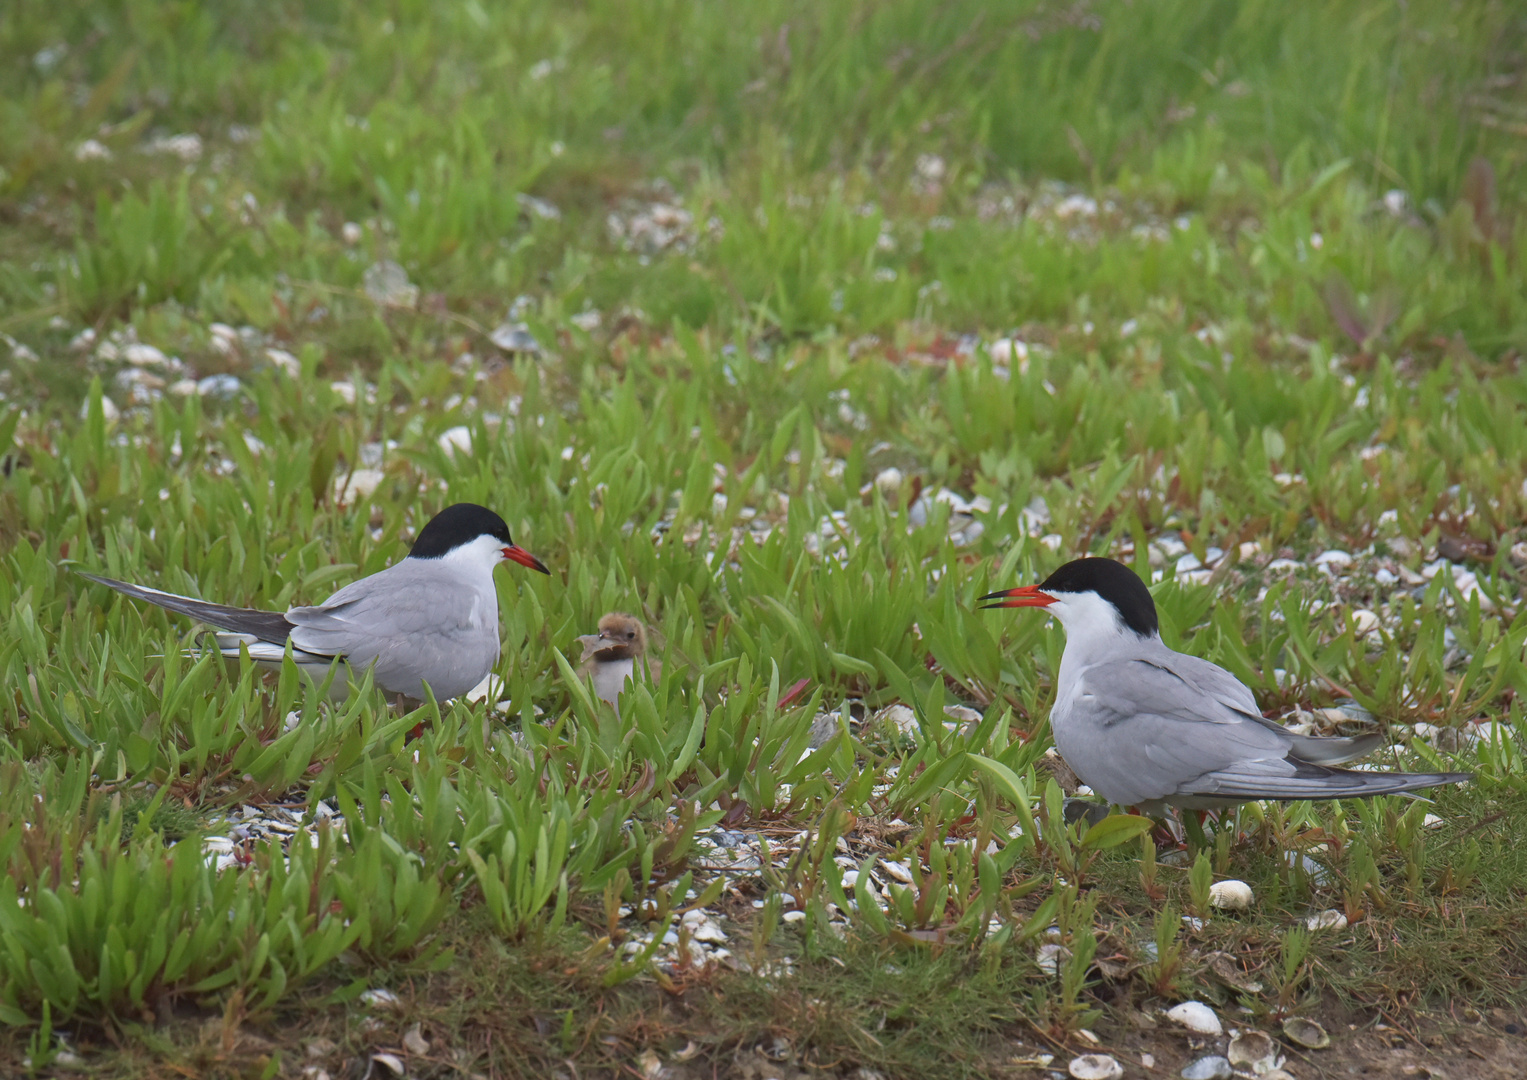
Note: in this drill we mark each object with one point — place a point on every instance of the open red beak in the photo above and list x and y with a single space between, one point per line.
525 558
1023 596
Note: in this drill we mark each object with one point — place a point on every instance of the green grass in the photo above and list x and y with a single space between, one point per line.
1265 270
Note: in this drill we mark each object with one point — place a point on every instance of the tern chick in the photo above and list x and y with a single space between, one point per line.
612 655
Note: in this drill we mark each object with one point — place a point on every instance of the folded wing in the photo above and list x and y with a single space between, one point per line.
1148 730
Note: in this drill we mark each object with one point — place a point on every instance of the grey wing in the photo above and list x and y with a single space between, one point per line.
414 629
1216 684
1156 738
1137 734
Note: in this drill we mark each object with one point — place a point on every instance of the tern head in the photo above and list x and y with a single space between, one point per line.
620 637
1089 596
471 534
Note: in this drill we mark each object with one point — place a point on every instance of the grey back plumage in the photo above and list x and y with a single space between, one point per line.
416 621
1155 726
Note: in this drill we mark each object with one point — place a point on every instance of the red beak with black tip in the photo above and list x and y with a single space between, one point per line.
515 553
1023 596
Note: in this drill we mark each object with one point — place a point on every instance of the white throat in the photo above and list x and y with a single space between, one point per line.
1095 631
475 559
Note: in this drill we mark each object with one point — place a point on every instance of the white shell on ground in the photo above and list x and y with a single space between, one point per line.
1250 1047
1095 1067
1050 957
1232 895
1208 1068
1306 1033
1195 1016
1330 919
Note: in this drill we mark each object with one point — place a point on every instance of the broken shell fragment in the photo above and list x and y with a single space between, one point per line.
1213 1067
1228 970
1231 895
1330 919
1250 1047
1306 1033
1050 957
1195 1016
1095 1067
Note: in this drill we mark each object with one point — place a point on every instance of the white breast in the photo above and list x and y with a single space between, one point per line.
610 678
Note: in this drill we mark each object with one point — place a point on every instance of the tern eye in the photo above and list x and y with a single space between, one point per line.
630 635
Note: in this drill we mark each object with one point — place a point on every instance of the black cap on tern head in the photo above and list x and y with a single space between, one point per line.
1114 582
457 525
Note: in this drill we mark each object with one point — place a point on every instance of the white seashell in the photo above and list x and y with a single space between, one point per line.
454 439
514 337
358 485
1232 895
1095 1067
1330 919
650 1066
224 387
1049 957
902 719
1213 1067
387 284
415 1042
1195 1016
1251 1047
91 150
285 362
1306 1033
140 355
392 1061
889 480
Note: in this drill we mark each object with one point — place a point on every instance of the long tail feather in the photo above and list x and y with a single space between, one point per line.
1318 782
269 626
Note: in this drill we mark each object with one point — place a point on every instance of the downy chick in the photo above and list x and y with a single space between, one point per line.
612 655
